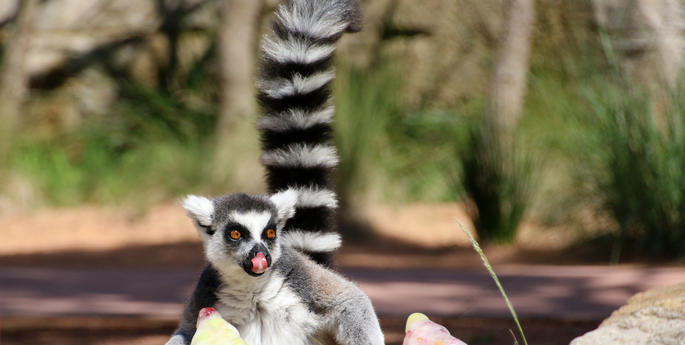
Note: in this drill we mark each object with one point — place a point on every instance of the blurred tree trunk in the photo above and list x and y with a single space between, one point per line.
649 39
510 74
496 176
237 108
13 76
237 43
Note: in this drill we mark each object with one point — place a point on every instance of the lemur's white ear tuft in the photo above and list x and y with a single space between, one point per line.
285 202
199 208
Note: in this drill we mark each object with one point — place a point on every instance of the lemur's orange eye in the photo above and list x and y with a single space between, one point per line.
270 234
235 234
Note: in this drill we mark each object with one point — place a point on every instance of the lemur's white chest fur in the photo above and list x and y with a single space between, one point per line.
268 312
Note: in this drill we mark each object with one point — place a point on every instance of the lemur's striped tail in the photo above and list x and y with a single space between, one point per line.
294 91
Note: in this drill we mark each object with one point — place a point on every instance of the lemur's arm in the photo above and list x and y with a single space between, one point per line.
350 317
204 295
355 321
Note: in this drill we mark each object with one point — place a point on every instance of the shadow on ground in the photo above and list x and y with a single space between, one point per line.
172 255
136 331
373 251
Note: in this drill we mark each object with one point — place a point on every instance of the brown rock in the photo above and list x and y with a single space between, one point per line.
649 318
671 298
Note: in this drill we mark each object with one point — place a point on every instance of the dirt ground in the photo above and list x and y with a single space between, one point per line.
418 235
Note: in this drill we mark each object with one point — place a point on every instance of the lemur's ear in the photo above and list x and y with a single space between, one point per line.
199 208
285 204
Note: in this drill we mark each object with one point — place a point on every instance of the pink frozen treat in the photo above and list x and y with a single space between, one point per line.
422 331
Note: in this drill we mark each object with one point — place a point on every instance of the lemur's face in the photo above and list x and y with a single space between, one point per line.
240 231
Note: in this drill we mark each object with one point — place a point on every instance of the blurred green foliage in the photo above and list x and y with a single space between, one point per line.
585 142
497 179
391 153
636 158
149 148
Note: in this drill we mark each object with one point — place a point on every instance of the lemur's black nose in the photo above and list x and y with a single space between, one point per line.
257 261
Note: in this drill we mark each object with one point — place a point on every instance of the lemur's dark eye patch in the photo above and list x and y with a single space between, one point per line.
235 231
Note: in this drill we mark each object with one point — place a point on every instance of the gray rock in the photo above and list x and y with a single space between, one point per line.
66 33
65 28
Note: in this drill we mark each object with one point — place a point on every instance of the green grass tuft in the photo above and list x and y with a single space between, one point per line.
497 180
636 152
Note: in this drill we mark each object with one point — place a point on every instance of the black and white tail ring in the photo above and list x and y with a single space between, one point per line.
294 92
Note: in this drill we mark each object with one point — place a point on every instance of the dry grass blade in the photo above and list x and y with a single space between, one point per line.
478 250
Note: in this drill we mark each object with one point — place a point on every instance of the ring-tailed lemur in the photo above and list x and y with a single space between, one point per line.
258 276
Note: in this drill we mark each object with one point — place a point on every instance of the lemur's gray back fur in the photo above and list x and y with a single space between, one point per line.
294 91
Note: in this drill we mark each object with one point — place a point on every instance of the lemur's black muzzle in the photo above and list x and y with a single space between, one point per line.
257 261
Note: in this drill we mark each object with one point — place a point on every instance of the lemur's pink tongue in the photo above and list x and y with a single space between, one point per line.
259 264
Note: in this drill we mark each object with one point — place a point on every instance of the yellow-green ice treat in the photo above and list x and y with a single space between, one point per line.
214 330
420 330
